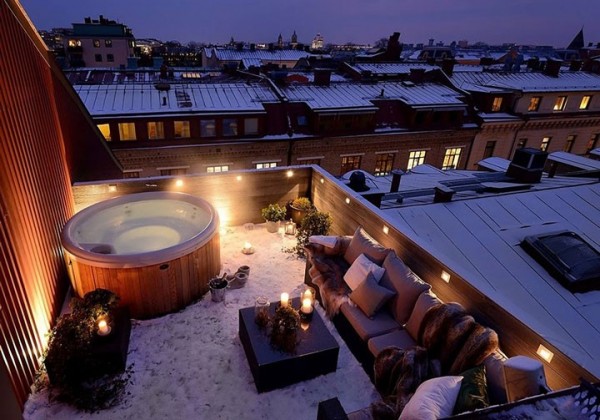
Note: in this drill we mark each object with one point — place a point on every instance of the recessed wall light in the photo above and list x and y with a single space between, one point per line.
238 178
289 173
179 183
112 188
386 229
347 200
544 353
445 276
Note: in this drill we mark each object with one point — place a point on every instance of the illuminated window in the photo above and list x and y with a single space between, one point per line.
569 143
156 130
585 102
489 149
98 58
110 58
350 163
207 128
131 44
560 103
217 168
131 173
416 157
105 130
108 43
74 43
384 164
230 127
182 129
451 158
522 143
265 165
593 142
172 171
545 144
534 103
127 131
497 104
251 126
96 43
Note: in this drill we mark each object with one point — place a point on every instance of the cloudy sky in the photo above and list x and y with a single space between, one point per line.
542 22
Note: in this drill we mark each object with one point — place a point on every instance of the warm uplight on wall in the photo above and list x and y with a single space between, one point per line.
112 188
179 183
238 178
386 229
289 173
322 181
347 200
544 353
445 276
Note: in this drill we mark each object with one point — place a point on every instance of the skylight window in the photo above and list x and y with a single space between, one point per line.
568 257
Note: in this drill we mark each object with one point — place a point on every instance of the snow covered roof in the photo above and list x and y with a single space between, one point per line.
567 81
595 152
575 161
352 95
391 68
274 55
478 236
140 99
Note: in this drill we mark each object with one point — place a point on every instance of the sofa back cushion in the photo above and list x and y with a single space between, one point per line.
370 296
358 271
407 285
426 300
363 243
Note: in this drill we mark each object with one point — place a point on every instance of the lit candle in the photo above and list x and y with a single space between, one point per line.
285 299
247 246
307 295
103 328
306 306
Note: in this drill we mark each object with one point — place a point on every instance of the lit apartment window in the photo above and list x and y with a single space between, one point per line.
217 168
108 43
110 58
96 43
384 164
265 165
309 161
489 149
156 130
207 128
497 104
593 142
569 143
560 103
98 58
534 103
585 102
105 130
172 171
127 131
451 158
74 43
522 143
251 126
350 163
230 127
181 129
415 158
545 144
131 44
131 173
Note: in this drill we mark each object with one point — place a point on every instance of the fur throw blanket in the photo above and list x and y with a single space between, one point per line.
397 374
332 287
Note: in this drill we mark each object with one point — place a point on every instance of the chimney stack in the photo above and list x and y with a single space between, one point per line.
552 67
575 65
322 77
417 75
448 66
396 176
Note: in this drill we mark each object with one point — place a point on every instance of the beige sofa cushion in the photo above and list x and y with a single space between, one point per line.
397 338
370 296
407 285
363 243
381 323
425 301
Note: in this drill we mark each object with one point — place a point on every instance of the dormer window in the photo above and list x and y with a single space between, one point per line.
560 103
568 257
497 104
534 103
585 102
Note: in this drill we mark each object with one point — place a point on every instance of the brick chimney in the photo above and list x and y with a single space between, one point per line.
575 65
417 75
322 77
448 66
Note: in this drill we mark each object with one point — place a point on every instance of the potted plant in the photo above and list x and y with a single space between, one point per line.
299 208
273 214
314 223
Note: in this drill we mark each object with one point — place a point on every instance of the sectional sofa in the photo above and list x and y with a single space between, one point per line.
378 304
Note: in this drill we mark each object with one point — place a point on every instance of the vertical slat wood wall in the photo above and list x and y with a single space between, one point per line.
35 193
515 337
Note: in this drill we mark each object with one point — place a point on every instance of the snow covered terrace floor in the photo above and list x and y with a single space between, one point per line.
191 364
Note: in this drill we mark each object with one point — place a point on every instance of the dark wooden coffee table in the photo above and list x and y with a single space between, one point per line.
316 353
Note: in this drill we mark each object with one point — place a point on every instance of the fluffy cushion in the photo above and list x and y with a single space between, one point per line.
357 273
425 301
370 296
434 398
473 393
408 287
363 243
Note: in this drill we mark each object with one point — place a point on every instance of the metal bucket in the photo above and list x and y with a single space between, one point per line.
218 287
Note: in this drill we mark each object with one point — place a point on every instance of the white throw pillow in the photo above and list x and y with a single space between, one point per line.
357 273
433 399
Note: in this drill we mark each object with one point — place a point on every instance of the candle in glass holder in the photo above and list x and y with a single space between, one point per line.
285 299
247 249
308 293
103 327
306 306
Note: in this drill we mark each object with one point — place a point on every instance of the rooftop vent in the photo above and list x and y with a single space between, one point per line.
527 165
568 257
358 181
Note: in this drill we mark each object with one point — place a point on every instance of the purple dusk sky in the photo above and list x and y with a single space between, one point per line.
541 22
